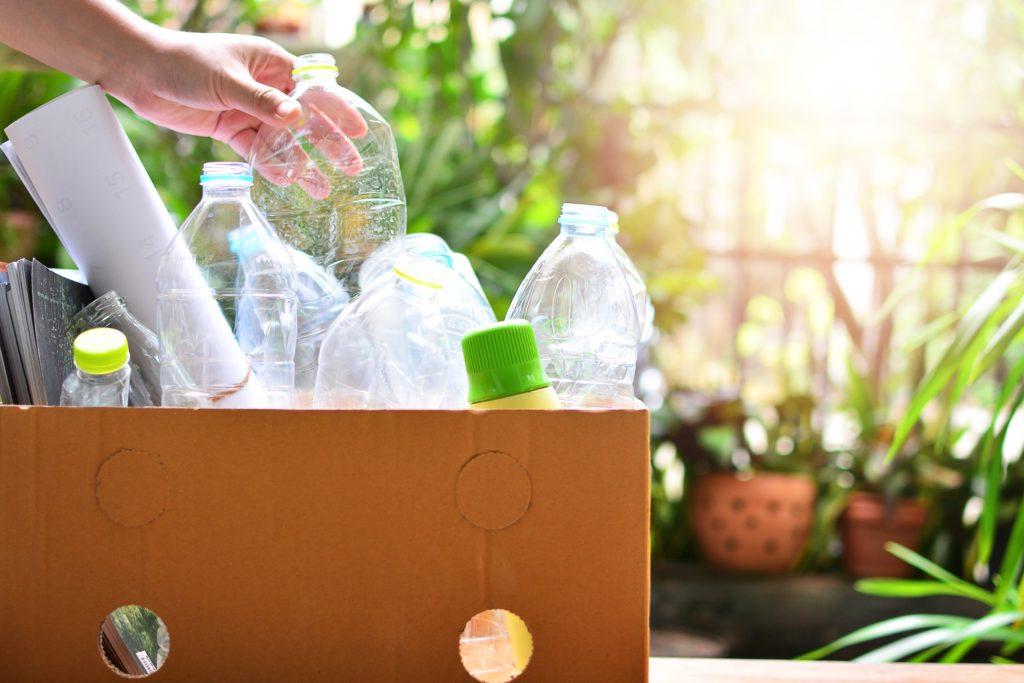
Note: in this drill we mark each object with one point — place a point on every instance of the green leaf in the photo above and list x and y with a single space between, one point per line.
910 588
986 628
939 376
998 343
882 629
940 574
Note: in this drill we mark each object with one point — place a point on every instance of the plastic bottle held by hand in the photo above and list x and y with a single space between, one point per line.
101 373
504 369
331 185
227 315
579 304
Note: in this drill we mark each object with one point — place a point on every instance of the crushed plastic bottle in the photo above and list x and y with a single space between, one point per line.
427 245
227 318
110 310
102 373
331 185
399 344
581 308
320 299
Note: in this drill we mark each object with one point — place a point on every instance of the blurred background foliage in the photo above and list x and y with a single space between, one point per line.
795 180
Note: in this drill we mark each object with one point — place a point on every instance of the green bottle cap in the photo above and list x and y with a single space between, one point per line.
101 350
502 360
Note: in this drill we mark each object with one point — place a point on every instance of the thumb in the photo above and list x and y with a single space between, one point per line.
266 103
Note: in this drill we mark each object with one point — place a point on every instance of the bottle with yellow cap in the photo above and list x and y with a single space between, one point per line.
101 373
398 344
330 184
504 368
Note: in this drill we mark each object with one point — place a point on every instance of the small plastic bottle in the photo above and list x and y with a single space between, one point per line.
110 310
101 373
504 368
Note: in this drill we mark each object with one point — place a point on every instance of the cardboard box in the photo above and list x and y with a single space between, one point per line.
323 546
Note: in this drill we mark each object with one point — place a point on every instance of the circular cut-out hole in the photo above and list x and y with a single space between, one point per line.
738 504
495 646
731 543
751 522
771 546
774 506
134 641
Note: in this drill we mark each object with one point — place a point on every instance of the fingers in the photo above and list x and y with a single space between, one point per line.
335 108
264 102
325 135
279 157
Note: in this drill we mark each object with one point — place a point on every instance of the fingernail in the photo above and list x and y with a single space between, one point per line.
287 109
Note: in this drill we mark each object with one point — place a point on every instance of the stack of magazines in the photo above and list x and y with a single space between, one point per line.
37 310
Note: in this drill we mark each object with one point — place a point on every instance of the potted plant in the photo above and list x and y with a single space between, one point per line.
753 501
891 496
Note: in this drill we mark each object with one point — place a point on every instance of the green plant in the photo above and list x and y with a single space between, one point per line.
946 638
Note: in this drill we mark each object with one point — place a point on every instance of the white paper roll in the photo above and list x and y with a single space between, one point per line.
103 206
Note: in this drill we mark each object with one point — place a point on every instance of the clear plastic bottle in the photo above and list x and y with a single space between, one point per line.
636 282
102 372
110 310
227 316
579 303
399 344
331 185
320 299
427 245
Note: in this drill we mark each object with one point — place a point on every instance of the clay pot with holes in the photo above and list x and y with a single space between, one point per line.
869 523
755 525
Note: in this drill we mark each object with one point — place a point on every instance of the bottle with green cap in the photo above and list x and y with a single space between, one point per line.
504 368
102 373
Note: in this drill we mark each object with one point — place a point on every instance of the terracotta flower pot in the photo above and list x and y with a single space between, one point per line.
756 525
867 526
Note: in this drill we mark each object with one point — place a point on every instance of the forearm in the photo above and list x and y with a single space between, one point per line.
98 41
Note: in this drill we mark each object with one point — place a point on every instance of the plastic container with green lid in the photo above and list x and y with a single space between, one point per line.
504 368
102 372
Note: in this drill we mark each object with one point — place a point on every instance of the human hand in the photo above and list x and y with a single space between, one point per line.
219 85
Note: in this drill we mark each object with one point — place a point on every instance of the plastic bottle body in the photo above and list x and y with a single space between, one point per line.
110 310
644 307
105 390
227 313
333 206
398 344
581 308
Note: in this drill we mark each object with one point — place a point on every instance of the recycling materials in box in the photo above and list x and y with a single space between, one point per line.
323 545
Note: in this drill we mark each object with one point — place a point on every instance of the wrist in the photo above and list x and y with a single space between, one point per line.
135 58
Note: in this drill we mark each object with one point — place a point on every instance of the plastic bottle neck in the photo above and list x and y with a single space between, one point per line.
226 191
583 229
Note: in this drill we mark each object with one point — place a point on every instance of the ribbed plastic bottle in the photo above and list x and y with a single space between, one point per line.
101 373
331 185
227 315
578 301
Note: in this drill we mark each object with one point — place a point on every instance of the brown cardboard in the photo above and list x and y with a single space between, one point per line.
304 546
